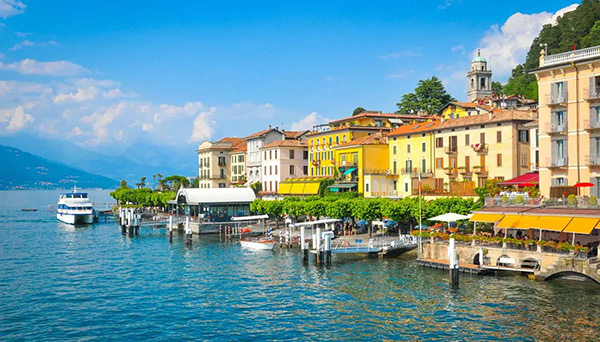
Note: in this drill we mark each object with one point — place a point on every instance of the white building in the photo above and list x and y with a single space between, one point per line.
281 160
254 159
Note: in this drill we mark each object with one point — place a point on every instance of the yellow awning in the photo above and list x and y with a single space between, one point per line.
489 218
508 221
581 225
311 188
284 188
552 223
297 188
525 222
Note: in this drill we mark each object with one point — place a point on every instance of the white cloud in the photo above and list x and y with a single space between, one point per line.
8 8
446 4
56 68
22 34
16 118
101 119
116 93
308 122
203 125
458 48
83 94
76 131
147 127
505 47
401 74
7 87
29 43
403 53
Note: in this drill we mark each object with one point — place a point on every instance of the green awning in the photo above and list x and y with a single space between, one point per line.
349 171
341 186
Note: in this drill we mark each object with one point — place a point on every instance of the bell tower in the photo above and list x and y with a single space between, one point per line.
479 79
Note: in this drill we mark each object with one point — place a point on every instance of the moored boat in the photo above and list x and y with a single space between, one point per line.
75 208
260 244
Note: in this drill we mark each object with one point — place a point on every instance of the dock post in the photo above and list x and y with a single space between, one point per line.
318 246
303 246
188 231
480 257
328 248
170 227
136 225
453 264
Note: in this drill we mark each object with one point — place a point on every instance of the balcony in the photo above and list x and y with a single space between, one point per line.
571 56
222 163
556 128
451 150
481 148
414 172
593 160
480 171
556 100
451 171
377 172
591 125
557 163
465 172
592 95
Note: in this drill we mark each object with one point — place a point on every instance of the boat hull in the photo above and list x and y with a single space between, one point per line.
267 246
75 219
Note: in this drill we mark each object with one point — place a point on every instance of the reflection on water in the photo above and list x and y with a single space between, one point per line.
59 282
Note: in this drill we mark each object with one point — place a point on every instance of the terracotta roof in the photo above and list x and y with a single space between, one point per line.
236 143
416 128
294 134
378 115
352 128
373 139
286 143
497 116
258 134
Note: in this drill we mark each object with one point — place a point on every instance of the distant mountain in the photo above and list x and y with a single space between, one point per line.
22 170
113 166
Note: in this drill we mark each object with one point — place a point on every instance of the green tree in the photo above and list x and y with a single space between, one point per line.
124 184
339 209
592 38
196 182
358 110
521 82
257 187
429 96
497 88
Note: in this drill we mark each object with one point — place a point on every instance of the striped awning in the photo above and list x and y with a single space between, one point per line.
581 225
552 223
488 218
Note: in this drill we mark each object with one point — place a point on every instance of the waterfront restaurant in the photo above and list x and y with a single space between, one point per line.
214 204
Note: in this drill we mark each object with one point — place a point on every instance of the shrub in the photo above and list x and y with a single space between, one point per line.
571 200
593 200
519 199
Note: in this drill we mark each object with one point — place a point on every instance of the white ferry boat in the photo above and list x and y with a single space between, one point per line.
75 208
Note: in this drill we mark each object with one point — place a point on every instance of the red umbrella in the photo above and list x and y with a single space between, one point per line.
584 185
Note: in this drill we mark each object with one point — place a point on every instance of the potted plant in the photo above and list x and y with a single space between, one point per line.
572 200
504 199
593 201
519 199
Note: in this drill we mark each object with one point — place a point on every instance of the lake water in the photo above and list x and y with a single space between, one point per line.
58 282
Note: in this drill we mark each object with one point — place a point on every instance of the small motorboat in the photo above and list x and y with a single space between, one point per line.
260 244
29 209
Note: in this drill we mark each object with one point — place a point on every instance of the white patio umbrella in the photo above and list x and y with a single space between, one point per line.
449 217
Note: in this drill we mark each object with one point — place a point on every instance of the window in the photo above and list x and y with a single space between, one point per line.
270 185
482 138
467 163
330 170
423 165
265 155
330 140
305 154
407 148
452 162
524 135
265 171
559 181
275 169
305 169
312 171
439 163
500 179
292 154
439 142
330 155
324 155
405 186
344 138
467 138
270 155
275 154
499 136
423 146
337 140
409 165
394 149
524 160
366 187
270 170
394 169
275 186
499 159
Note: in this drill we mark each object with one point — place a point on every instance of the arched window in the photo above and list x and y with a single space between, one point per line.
344 138
482 83
472 83
337 140
330 140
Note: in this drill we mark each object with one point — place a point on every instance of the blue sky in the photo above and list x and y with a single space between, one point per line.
105 73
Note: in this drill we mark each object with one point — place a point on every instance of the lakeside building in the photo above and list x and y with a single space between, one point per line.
238 165
363 166
455 110
283 159
253 155
215 205
569 124
324 138
214 168
470 150
411 153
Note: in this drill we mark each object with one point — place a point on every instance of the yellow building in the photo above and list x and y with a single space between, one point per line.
238 165
470 150
324 138
455 110
569 120
362 165
411 153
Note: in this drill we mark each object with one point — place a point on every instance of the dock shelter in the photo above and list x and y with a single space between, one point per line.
214 204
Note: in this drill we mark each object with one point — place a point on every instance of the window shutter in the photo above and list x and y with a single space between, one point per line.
552 92
592 93
565 92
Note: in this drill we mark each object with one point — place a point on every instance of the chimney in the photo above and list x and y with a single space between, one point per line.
490 114
269 126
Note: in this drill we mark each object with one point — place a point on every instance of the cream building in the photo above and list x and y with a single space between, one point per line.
214 166
238 165
470 150
253 156
569 110
283 159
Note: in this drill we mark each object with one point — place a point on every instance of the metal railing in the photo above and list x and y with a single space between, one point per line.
556 127
592 94
556 99
451 149
591 124
558 162
593 160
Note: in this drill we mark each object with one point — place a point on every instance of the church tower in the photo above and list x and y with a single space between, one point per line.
479 78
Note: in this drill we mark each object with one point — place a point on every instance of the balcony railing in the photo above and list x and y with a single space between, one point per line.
451 149
222 163
592 94
556 127
385 172
556 99
593 160
415 171
480 148
558 162
571 56
590 125
479 170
